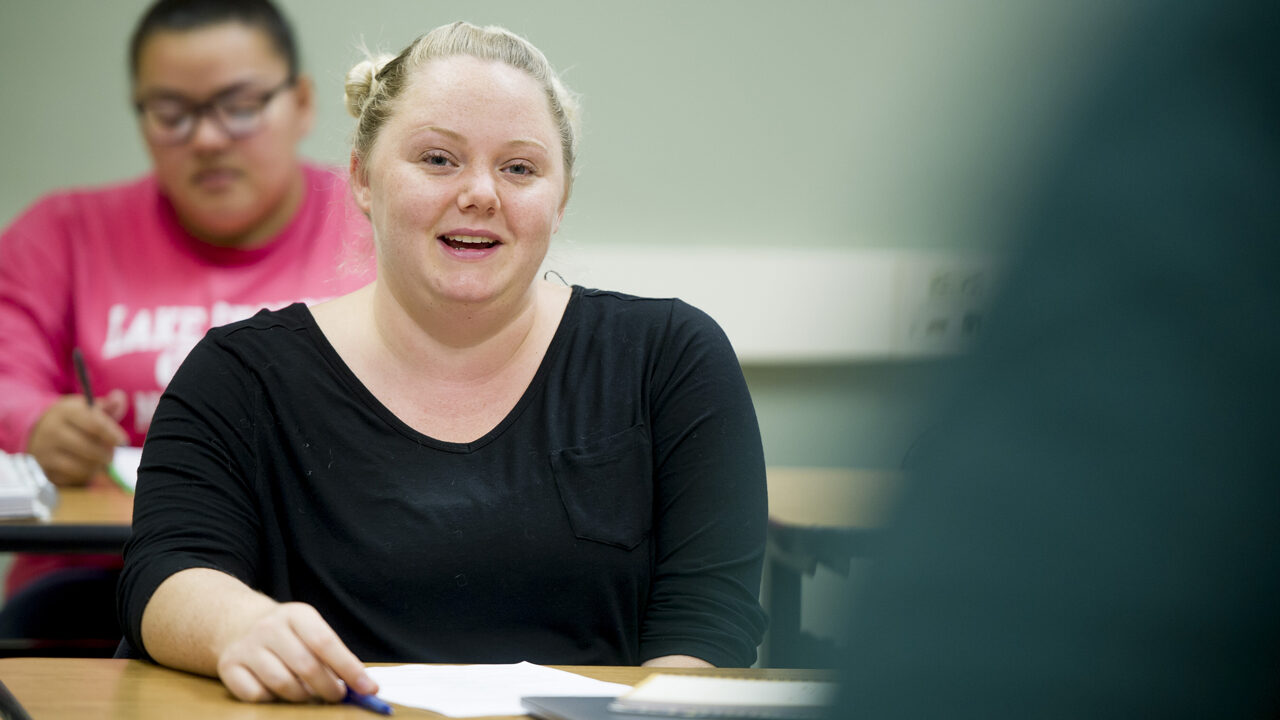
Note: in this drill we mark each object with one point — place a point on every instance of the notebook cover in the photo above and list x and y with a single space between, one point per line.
571 708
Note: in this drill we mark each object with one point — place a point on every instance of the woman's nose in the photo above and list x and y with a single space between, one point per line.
479 193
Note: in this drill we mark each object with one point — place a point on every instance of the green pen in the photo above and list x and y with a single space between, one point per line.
82 373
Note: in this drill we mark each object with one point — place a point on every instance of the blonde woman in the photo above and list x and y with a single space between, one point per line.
460 462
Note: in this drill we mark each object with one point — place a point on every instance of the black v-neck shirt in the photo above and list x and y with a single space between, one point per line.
616 514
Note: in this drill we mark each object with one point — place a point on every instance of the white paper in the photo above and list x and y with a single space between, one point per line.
125 462
475 690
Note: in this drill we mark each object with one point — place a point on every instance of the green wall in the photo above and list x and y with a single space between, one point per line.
901 124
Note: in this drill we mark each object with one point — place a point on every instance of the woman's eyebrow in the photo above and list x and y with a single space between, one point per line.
528 141
459 137
442 130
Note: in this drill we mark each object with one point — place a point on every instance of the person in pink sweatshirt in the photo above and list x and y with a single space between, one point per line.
231 220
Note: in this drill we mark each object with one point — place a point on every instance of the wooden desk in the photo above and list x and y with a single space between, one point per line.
91 519
816 516
79 688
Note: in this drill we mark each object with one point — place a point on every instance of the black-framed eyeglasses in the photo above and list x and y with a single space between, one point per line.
169 120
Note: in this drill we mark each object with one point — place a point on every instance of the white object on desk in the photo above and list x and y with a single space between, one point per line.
479 690
701 696
125 462
25 492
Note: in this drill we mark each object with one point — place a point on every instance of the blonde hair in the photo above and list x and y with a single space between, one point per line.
374 84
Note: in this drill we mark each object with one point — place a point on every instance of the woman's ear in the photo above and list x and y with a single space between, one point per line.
360 185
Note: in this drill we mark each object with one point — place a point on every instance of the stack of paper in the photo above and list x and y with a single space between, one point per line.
24 490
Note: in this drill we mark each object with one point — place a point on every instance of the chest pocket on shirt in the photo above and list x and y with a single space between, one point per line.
607 488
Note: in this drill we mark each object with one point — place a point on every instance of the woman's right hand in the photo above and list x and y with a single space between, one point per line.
206 621
290 653
73 441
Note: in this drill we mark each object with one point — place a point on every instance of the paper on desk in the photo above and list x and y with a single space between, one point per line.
475 690
125 463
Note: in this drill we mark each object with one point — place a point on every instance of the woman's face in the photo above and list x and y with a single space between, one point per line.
465 184
225 190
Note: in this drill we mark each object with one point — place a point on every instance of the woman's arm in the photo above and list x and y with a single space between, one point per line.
208 622
710 504
185 595
40 411
676 661
35 320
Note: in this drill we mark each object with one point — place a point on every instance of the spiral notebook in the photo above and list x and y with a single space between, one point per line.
696 696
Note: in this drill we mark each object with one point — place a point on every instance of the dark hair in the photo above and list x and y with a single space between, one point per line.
181 15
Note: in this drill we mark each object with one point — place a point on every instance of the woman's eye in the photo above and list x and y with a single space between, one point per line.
520 168
437 159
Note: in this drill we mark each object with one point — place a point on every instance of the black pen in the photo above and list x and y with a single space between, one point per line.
81 372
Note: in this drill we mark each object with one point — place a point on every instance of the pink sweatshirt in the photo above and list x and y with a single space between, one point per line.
112 272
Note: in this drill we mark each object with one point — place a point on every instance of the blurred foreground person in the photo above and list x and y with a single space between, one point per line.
1091 528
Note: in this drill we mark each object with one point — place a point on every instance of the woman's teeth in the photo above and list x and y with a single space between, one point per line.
467 241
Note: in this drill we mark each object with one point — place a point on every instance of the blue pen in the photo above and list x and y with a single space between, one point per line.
371 703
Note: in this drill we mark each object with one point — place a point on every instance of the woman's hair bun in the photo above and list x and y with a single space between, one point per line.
362 82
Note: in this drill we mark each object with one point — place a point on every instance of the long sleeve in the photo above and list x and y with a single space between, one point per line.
710 507
35 320
195 504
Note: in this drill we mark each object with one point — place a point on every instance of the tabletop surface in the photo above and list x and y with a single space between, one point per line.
79 688
830 497
103 504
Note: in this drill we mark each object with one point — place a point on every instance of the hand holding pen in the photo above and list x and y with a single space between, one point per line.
372 703
282 651
76 436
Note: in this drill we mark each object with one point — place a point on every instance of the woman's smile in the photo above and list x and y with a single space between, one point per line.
469 247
